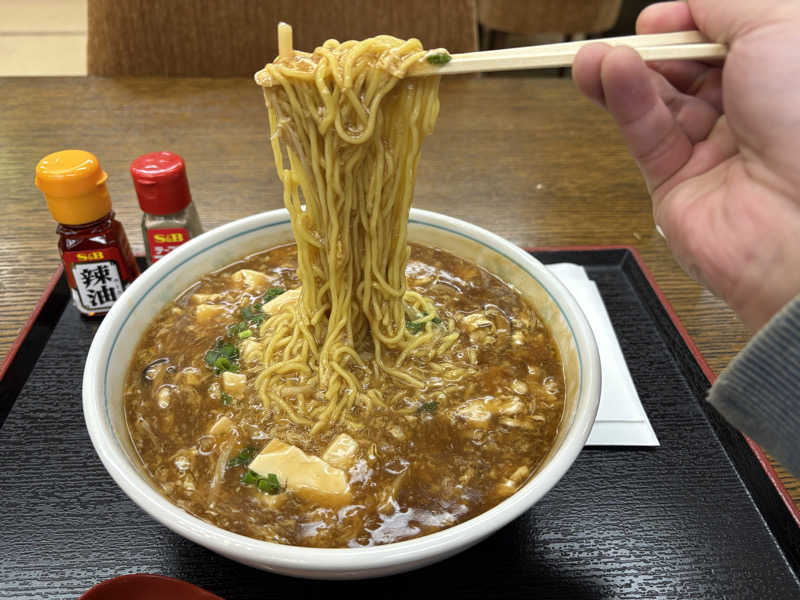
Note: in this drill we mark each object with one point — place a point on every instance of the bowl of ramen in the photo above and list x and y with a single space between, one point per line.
438 459
347 387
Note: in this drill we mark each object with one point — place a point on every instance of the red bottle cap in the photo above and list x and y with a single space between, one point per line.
160 182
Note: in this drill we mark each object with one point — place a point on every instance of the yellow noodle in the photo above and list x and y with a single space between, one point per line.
346 128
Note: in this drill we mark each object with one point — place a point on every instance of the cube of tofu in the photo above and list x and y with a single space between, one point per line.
478 412
309 477
520 423
250 280
191 376
279 302
234 383
203 298
206 313
513 406
510 485
271 501
222 426
476 321
341 452
251 351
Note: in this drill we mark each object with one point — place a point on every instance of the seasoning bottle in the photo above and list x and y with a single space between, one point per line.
97 256
170 217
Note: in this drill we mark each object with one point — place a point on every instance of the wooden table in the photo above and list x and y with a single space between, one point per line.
527 158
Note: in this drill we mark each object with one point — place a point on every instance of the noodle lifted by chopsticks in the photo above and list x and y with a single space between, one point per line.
350 127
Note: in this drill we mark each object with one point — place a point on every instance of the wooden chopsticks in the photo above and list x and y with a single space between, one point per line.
657 46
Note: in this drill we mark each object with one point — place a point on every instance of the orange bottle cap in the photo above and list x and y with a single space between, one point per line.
74 186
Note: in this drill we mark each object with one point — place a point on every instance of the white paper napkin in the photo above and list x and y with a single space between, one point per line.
621 420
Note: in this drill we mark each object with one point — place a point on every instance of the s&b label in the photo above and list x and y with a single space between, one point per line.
163 241
97 283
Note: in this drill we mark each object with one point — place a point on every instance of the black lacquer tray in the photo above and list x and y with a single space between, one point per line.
702 516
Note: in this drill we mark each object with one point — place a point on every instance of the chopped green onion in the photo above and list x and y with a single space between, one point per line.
221 357
243 335
228 350
227 399
223 364
439 58
236 328
269 484
250 477
243 458
272 293
212 356
414 326
429 406
417 324
252 314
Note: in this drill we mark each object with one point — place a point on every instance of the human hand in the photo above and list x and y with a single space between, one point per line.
719 146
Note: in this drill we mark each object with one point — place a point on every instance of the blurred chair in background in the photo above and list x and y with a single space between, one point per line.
570 19
226 38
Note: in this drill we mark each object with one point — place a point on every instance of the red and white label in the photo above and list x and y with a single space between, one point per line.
96 279
163 241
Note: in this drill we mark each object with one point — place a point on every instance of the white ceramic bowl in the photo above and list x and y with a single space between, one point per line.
118 335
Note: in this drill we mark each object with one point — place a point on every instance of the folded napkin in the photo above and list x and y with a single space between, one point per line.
621 420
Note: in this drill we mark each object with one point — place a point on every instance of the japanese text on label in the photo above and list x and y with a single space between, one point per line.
99 284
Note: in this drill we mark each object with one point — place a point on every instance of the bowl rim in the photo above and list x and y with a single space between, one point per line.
275 556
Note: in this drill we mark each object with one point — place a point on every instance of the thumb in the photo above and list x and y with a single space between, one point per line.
724 21
619 79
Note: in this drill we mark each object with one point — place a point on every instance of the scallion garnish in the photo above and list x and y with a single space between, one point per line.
223 364
418 324
243 458
252 313
272 293
414 326
243 335
222 357
429 406
250 477
212 356
269 484
439 58
236 328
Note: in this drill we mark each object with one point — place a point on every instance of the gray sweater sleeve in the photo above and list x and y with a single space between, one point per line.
759 392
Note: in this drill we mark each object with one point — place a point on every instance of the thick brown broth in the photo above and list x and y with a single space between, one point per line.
431 458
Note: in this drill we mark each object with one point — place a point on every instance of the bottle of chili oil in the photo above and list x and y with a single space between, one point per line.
97 257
